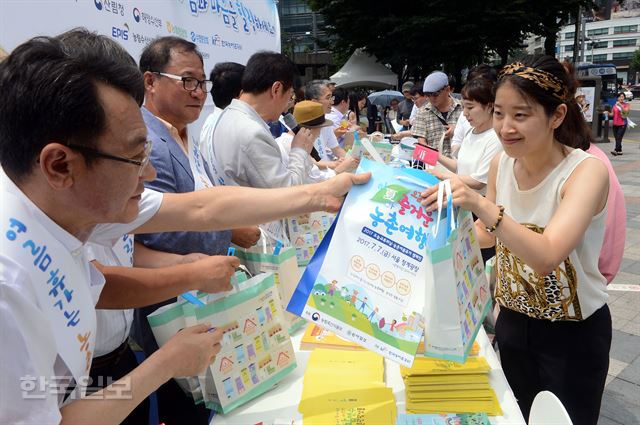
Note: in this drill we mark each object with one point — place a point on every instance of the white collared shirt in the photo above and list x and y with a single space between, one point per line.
206 139
27 343
24 342
113 326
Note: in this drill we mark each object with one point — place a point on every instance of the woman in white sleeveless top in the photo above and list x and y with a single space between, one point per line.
480 145
545 210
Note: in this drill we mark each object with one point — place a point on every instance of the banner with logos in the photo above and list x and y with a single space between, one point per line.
224 30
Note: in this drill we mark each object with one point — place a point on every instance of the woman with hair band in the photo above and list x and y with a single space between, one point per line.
545 210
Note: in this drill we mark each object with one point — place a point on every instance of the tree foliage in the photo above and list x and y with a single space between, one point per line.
417 36
635 61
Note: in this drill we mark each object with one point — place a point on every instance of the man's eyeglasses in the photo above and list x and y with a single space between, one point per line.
190 83
142 163
434 93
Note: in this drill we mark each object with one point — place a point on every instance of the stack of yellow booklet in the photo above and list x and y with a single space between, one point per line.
435 386
346 387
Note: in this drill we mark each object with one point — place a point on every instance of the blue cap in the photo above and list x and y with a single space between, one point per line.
436 81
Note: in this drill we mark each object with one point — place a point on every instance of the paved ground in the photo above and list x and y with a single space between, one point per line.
621 401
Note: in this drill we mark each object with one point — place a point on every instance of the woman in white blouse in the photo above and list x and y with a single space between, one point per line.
480 144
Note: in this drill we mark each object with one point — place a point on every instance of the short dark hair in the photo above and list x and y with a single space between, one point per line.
49 94
483 71
156 55
226 78
265 68
417 90
340 94
479 90
313 89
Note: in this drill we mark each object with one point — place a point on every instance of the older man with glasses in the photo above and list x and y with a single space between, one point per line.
326 144
175 91
440 115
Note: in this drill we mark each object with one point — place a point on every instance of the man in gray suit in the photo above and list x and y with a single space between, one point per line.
246 152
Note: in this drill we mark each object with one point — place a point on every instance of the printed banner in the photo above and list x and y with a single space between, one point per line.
223 30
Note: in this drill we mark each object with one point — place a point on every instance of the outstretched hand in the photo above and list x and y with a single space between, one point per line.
333 191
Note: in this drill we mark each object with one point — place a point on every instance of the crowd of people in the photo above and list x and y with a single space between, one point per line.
94 147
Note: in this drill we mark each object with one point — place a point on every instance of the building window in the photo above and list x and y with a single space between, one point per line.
624 29
625 55
623 43
600 45
569 35
568 48
598 31
597 58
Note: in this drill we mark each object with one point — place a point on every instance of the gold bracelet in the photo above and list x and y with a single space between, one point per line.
498 221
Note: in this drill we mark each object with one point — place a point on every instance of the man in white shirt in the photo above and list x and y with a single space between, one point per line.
77 158
246 151
74 159
339 114
226 79
331 154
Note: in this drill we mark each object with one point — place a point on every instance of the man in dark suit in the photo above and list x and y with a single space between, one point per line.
175 92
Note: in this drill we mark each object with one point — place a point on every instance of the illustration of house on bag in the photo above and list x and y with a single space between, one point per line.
276 332
251 352
261 316
228 387
254 374
230 332
226 365
239 385
240 353
249 327
265 367
283 359
269 316
272 306
245 376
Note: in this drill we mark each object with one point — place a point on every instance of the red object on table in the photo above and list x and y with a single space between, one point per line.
425 154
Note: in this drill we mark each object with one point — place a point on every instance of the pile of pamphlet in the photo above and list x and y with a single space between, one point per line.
434 386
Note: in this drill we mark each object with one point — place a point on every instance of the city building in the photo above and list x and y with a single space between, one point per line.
612 35
612 41
303 33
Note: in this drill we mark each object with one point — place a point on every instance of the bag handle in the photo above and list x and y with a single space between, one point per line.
372 150
444 187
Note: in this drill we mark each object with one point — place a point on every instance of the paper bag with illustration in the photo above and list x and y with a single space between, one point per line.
366 282
286 274
458 295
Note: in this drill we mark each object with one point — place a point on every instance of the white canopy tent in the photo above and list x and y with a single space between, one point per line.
363 69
